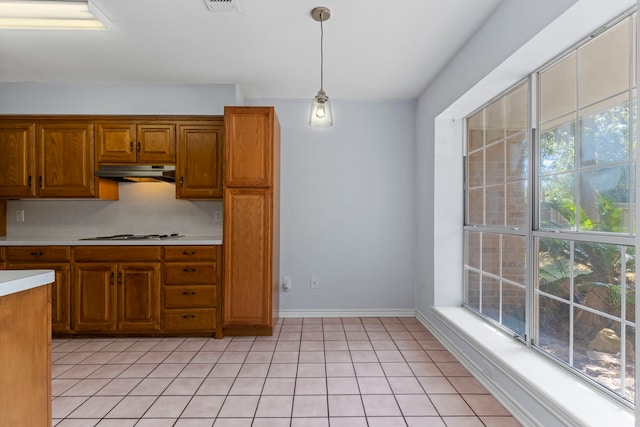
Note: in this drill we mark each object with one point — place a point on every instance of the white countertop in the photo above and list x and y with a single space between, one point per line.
13 281
74 241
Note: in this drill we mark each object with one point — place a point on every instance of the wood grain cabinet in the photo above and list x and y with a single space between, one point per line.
116 289
49 158
136 142
65 160
25 358
17 159
191 290
251 220
55 258
199 160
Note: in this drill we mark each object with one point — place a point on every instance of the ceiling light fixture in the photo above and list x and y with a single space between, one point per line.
320 106
51 15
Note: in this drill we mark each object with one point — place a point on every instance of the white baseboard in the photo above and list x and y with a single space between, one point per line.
348 313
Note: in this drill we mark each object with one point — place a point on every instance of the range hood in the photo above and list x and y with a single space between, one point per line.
137 173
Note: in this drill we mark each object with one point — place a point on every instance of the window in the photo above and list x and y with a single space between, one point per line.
576 302
497 209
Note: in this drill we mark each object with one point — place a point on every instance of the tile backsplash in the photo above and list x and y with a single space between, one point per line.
143 208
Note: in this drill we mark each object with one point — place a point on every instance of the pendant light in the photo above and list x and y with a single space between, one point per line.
320 106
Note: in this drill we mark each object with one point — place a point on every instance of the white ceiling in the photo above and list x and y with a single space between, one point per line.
373 49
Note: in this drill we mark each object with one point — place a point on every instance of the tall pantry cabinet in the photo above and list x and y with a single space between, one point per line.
251 220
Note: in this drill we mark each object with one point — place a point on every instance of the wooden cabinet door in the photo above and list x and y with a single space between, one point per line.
60 292
248 150
17 155
128 142
156 143
138 297
94 297
199 161
65 160
116 142
247 257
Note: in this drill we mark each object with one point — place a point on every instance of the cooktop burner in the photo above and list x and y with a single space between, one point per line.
136 237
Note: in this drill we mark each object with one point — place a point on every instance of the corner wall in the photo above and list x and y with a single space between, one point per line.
347 208
517 39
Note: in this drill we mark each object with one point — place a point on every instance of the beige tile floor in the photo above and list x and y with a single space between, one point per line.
314 372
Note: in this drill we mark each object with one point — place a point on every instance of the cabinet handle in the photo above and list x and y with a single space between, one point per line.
40 180
189 270
112 277
188 252
182 181
188 293
131 146
188 316
36 253
138 146
119 278
29 181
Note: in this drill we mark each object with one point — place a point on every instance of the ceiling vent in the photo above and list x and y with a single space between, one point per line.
228 6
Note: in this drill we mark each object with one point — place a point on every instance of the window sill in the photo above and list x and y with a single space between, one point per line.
534 389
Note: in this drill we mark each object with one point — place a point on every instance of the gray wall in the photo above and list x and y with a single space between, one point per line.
347 198
142 208
347 207
47 98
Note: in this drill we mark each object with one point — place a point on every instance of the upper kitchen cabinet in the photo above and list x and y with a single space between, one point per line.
135 142
199 160
17 154
249 158
49 157
65 163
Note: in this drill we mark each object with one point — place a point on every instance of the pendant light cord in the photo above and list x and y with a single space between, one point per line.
321 52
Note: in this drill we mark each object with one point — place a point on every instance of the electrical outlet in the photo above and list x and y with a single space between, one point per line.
217 216
20 215
315 282
286 284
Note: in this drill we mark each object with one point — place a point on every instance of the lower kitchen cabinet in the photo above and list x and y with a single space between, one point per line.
52 258
155 290
116 297
60 292
191 297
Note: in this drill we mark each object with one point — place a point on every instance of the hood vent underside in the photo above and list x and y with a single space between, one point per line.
137 173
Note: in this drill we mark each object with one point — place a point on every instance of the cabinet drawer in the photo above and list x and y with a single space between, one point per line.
189 296
116 253
38 253
190 320
190 272
186 253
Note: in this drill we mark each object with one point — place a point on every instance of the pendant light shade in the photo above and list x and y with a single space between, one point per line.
321 106
321 111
